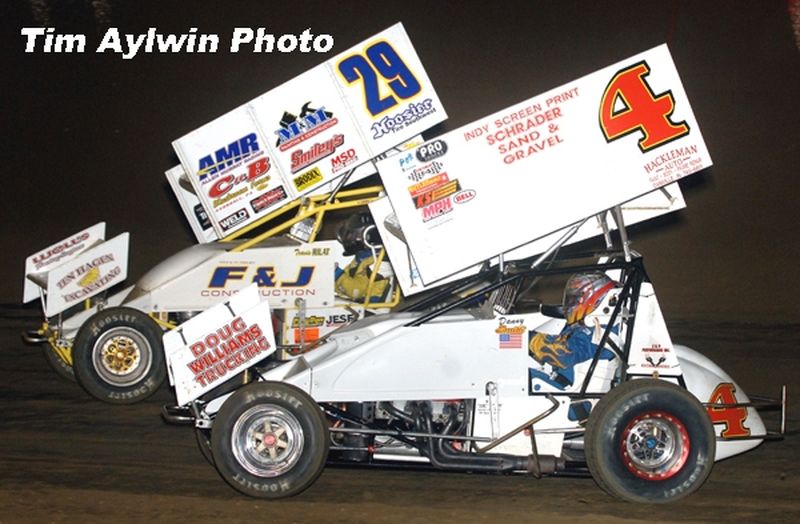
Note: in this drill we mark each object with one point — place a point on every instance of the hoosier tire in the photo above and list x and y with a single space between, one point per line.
270 440
118 356
649 441
203 437
61 368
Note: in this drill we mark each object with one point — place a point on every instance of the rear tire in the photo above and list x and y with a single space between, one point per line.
118 356
270 440
649 441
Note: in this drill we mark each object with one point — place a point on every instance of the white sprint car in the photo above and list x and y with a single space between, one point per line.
113 347
481 378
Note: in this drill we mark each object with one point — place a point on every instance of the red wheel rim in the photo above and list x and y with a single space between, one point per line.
655 445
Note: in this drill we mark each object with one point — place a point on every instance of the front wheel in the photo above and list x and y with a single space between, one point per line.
61 368
203 437
270 440
118 356
649 441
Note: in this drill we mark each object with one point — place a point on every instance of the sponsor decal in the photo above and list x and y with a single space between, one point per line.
670 160
302 159
277 292
413 112
202 217
406 162
57 252
307 335
311 321
233 220
226 350
655 356
264 276
311 177
221 190
438 193
294 129
437 209
316 325
462 197
427 185
343 159
90 278
96 283
340 319
673 164
219 202
431 151
523 133
264 201
228 156
417 174
82 272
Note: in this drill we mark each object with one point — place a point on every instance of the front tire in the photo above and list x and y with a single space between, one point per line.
649 441
270 440
118 356
61 368
203 437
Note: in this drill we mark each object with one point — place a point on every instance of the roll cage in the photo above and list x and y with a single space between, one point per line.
494 285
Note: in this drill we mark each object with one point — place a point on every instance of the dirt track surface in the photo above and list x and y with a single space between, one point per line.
68 458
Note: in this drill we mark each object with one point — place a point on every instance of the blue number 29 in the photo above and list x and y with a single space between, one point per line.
381 59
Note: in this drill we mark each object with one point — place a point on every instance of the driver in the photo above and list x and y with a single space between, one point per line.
574 344
356 234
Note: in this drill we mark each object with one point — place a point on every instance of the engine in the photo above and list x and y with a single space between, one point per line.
437 432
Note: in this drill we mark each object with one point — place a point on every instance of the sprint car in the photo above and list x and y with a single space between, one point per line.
483 376
113 347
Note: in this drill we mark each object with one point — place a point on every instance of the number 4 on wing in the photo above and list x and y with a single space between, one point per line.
629 105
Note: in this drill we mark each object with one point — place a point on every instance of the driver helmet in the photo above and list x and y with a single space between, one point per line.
583 292
358 233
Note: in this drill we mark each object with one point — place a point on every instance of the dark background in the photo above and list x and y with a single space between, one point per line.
88 136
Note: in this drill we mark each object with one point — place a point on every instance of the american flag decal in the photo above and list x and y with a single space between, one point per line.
510 340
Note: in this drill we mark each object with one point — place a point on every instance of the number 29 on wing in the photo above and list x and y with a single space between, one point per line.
385 78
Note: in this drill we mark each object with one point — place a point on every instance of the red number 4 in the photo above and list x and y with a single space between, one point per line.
629 105
732 417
